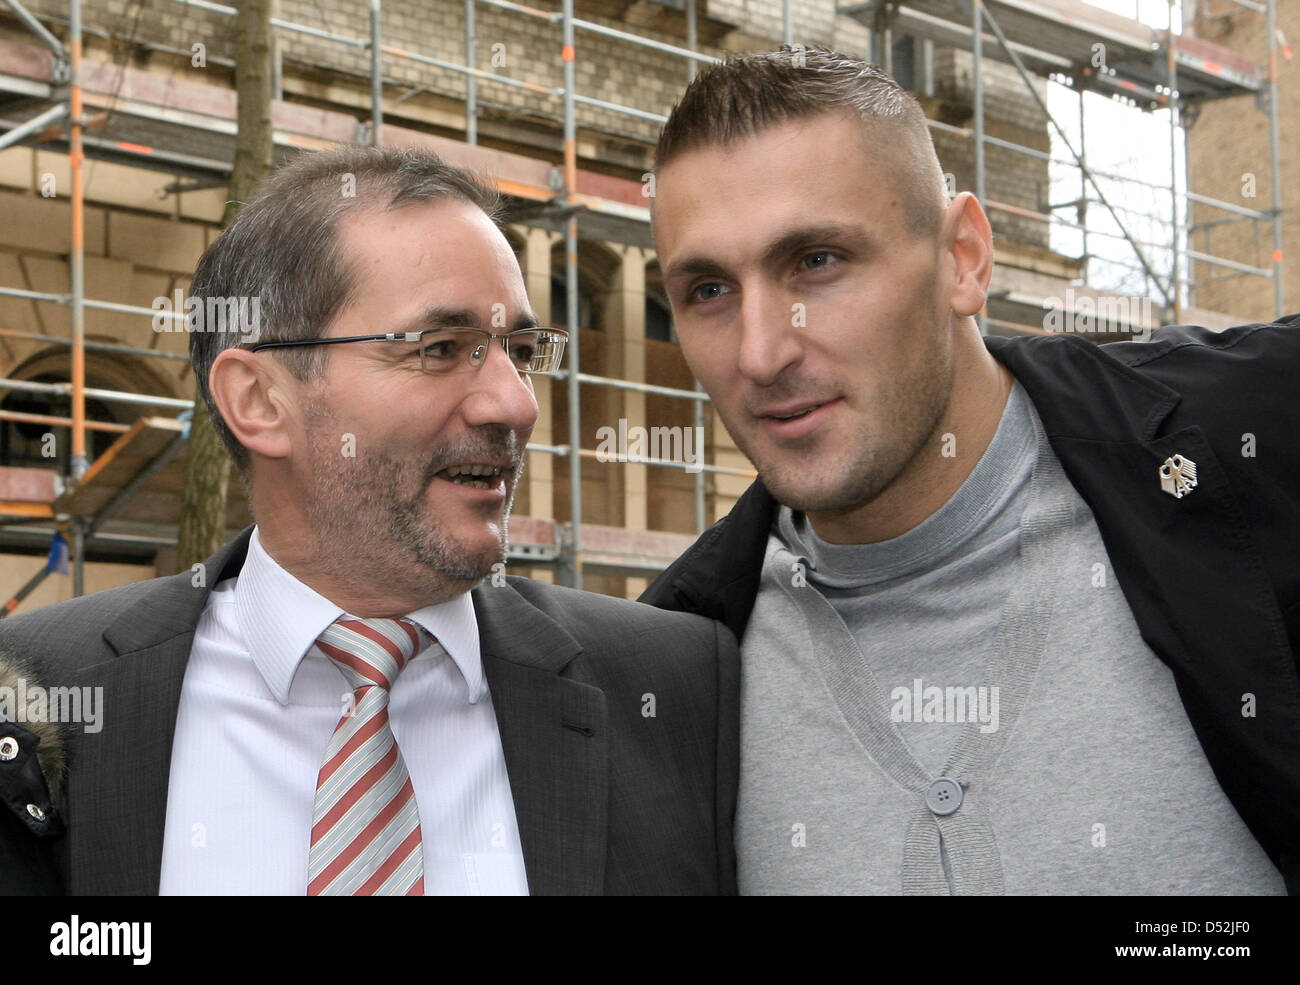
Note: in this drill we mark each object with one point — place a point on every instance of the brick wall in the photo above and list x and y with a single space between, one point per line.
1228 152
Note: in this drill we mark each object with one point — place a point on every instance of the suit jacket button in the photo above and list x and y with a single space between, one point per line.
36 812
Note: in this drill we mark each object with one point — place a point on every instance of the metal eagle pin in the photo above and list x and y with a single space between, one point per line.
1178 476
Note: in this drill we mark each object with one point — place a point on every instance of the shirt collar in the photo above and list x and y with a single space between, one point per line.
281 618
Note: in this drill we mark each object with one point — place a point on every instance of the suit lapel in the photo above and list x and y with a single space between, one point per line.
117 789
554 739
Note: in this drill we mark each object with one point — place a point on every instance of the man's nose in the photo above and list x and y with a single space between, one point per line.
769 341
500 394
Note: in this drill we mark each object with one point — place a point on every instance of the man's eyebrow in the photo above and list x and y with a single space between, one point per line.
694 265
829 234
779 249
441 316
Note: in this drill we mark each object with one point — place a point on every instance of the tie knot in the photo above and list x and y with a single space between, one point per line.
371 652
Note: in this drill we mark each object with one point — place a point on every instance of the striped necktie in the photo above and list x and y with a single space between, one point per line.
365 836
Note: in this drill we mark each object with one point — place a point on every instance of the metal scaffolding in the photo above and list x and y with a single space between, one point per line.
1147 67
1157 69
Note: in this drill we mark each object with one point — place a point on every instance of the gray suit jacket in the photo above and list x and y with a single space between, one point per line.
608 800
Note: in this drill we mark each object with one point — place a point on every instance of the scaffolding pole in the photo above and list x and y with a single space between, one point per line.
977 80
376 75
37 28
77 257
1275 163
1082 211
25 130
692 37
1171 69
699 490
572 570
471 83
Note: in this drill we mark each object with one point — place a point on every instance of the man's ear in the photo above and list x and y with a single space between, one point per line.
249 391
969 243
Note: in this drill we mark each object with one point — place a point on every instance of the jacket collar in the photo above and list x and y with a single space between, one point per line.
1111 401
178 602
719 575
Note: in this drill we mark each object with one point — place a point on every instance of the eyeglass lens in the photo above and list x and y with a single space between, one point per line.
462 349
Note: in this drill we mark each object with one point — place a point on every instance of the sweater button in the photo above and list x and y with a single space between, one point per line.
36 812
8 748
944 796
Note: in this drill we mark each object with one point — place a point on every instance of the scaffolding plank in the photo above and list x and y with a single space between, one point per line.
121 463
631 551
23 484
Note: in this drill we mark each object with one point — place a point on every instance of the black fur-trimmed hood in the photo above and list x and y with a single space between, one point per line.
51 752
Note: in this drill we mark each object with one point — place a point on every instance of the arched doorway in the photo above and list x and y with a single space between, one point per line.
25 444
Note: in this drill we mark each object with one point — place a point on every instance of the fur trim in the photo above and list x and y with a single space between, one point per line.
51 753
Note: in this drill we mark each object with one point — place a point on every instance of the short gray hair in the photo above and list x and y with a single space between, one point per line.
283 249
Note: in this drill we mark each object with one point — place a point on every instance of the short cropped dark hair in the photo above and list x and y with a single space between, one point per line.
283 249
749 93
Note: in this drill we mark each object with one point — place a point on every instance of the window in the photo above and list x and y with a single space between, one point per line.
658 319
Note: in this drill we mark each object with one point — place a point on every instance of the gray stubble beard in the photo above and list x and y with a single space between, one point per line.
365 530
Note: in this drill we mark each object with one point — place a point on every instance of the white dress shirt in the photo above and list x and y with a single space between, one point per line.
256 714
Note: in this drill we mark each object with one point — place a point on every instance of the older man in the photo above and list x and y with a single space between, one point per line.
1018 615
330 705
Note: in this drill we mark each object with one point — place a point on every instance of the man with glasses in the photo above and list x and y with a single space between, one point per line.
337 702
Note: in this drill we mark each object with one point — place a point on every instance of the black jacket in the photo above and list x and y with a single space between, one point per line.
31 782
1212 579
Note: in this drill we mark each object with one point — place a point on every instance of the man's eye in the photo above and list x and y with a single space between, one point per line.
523 353
707 292
439 349
817 260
